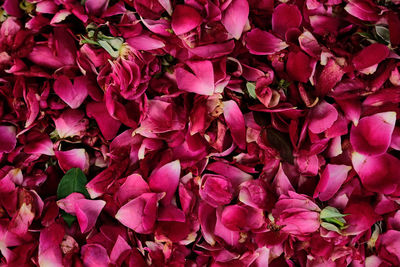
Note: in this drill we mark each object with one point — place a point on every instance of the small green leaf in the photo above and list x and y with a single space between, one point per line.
251 89
383 33
68 218
330 227
73 181
330 212
106 46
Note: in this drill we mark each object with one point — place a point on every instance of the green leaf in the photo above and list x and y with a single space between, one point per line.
106 46
280 142
330 227
73 181
330 212
68 218
251 89
383 33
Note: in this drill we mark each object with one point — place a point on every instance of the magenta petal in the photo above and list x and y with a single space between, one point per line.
298 66
370 55
120 247
285 17
263 43
281 182
8 139
170 213
108 125
322 117
229 236
235 17
133 187
235 175
207 219
96 7
184 19
201 81
87 211
372 135
94 255
234 217
235 121
166 179
73 95
71 123
378 173
49 246
74 158
145 42
140 213
68 204
331 180
328 78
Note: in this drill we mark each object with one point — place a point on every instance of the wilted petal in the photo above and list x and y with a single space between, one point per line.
263 43
331 180
216 190
285 17
166 179
370 55
49 245
201 81
94 255
235 17
322 117
235 121
107 124
73 95
74 158
184 19
8 139
87 211
309 44
140 213
372 135
328 78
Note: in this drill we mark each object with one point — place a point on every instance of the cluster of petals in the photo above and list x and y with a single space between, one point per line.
248 133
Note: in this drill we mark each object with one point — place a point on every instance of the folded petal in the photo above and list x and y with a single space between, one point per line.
166 179
235 121
140 213
108 125
201 81
235 175
235 17
87 211
133 187
263 43
372 135
68 204
322 117
185 18
120 247
285 17
71 123
74 158
8 139
370 55
331 180
73 95
96 7
49 246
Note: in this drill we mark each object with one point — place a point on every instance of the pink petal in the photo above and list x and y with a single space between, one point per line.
377 173
96 7
263 43
235 121
229 236
285 17
372 135
363 10
207 221
214 50
87 211
133 187
216 190
200 82
140 213
74 158
322 117
49 246
73 95
12 8
309 44
44 56
166 179
185 18
108 125
331 180
170 213
328 78
360 218
68 204
8 139
281 182
298 66
120 247
94 255
71 123
234 217
351 109
235 175
145 42
395 143
235 17
166 4
370 55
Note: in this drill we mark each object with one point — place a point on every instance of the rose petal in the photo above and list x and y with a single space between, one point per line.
263 43
185 18
235 17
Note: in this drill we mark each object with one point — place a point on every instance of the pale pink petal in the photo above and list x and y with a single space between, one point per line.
235 121
133 187
71 123
8 139
331 180
94 255
372 135
263 43
201 81
166 179
185 18
285 17
49 246
140 213
235 17
74 158
108 125
87 211
322 117
73 95
68 204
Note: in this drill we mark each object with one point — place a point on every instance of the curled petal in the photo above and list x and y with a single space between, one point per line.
263 43
87 211
94 255
322 117
235 17
73 95
201 81
185 18
285 17
370 55
331 180
74 158
235 121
